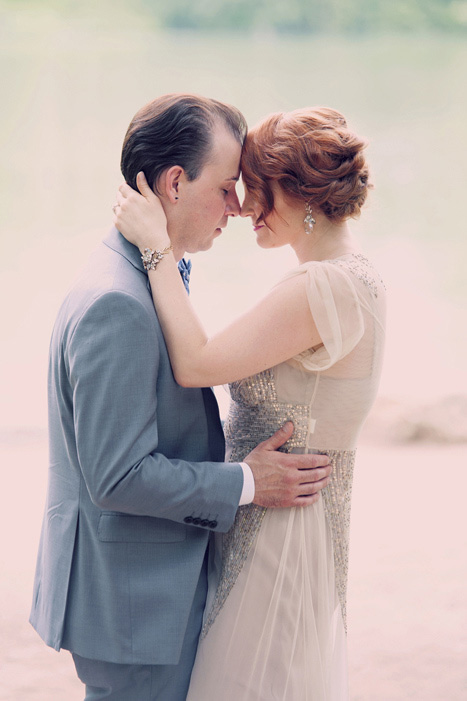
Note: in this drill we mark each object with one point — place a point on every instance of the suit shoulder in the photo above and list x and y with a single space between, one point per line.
108 290
108 270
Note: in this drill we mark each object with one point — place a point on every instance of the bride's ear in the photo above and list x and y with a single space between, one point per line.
171 182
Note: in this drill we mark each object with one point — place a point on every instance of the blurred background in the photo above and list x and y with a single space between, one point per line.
73 74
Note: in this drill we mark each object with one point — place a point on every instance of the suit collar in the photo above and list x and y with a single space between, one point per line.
118 243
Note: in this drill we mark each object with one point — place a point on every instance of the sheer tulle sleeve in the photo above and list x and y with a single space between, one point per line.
336 309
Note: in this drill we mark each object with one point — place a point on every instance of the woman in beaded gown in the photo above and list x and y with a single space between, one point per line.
311 352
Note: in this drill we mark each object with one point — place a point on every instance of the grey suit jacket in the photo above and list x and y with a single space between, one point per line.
135 482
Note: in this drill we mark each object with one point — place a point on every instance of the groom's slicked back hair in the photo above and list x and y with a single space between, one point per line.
175 129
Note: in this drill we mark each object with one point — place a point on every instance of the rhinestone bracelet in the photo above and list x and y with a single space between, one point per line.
151 258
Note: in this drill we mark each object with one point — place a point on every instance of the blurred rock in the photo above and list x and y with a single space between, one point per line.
443 420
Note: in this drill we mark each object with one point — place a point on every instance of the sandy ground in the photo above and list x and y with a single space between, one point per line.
407 604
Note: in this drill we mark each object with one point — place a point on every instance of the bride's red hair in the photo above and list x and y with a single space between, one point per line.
312 156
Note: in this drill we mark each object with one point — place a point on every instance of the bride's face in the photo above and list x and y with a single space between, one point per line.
282 226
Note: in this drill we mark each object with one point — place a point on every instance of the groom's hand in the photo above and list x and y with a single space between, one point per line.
286 479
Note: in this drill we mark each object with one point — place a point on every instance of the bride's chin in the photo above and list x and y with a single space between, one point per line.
263 243
262 240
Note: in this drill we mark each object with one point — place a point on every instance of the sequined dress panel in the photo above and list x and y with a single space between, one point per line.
278 614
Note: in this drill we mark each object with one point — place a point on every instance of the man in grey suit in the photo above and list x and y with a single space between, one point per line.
137 481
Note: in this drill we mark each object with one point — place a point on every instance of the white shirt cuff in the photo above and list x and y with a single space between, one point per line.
248 491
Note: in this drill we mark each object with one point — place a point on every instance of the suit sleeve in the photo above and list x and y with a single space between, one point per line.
113 358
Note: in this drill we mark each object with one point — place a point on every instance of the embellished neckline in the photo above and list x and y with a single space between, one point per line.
356 263
358 256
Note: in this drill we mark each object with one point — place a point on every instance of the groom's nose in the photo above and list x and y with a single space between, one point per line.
232 205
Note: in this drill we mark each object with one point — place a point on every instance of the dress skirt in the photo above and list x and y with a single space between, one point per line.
280 634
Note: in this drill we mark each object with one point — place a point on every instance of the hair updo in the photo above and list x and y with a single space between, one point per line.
312 156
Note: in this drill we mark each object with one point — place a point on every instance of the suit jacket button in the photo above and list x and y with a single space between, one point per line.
212 524
196 521
188 519
204 522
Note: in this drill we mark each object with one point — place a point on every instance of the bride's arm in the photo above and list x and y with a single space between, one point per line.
274 330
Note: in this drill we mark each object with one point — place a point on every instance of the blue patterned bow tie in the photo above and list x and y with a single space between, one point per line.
184 267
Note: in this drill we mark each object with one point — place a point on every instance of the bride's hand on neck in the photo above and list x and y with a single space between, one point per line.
140 216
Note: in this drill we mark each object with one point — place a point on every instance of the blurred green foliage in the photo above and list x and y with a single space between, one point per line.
281 16
311 16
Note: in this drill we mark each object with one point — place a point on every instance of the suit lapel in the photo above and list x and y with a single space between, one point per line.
118 243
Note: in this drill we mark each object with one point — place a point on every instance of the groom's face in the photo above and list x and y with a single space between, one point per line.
204 204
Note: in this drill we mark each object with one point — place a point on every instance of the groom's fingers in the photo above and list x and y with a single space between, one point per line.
310 493
279 437
306 500
314 487
286 479
315 475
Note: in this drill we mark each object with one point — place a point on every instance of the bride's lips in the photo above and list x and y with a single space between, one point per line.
256 228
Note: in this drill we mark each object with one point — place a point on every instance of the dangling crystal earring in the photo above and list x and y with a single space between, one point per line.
309 220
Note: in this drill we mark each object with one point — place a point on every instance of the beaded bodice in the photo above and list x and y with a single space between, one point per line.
256 413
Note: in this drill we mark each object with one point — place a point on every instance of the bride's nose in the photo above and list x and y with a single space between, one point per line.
247 207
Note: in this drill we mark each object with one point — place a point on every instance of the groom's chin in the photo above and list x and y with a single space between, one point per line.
216 234
209 242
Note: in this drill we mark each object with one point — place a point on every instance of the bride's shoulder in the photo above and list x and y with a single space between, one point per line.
361 268
333 270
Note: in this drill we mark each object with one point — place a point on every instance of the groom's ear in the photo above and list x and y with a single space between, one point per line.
170 183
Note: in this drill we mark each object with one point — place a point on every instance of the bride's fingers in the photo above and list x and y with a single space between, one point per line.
142 185
125 190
